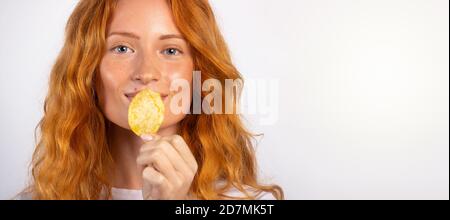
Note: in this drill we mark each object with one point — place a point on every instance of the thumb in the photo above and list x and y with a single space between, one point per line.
150 137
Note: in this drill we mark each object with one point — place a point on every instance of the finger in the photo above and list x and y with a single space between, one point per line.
150 137
183 149
150 141
150 144
175 158
180 146
154 182
157 158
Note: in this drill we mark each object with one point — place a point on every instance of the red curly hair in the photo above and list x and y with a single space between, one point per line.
72 159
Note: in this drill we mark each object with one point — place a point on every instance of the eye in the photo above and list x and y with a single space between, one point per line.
171 52
122 49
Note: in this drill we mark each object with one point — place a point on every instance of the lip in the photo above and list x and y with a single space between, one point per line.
131 95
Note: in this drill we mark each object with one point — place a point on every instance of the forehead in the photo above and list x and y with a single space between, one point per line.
144 17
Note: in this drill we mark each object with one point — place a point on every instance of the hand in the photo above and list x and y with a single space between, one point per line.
169 168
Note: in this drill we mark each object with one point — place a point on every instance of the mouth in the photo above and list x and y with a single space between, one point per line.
131 95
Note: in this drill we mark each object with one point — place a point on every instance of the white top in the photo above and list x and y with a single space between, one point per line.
136 194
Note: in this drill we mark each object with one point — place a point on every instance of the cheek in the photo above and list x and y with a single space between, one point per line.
113 78
184 72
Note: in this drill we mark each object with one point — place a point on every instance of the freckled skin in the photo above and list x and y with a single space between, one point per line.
146 66
144 51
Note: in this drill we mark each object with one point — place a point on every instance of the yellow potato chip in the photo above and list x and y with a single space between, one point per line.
146 112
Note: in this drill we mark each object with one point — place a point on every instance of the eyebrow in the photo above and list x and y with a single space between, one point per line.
126 34
133 35
170 36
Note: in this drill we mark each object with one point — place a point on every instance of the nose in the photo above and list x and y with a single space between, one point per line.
147 72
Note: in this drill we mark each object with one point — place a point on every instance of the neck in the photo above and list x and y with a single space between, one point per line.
125 146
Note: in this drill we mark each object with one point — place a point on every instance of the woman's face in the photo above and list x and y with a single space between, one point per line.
144 50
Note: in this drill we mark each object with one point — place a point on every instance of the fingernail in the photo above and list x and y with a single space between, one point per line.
147 137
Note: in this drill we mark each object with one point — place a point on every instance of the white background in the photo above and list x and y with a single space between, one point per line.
363 108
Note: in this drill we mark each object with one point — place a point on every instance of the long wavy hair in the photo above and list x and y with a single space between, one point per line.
72 159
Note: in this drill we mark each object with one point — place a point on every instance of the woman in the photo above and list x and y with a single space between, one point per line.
113 50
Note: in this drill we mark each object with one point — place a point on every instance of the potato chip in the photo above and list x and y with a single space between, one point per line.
146 112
